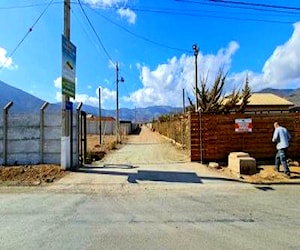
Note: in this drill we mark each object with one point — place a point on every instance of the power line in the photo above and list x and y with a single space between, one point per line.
271 6
92 27
28 5
27 33
88 35
235 5
140 36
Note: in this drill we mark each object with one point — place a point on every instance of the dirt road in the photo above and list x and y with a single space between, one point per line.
147 158
146 148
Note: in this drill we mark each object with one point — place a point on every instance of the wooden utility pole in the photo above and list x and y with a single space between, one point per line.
65 119
117 103
100 125
183 101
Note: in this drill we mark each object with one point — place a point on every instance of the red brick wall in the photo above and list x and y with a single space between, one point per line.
219 137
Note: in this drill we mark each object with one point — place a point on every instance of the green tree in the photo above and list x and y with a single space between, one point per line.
212 101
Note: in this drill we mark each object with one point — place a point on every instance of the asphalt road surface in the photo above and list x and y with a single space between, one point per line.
148 196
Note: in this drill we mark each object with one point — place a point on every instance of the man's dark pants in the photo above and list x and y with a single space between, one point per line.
281 158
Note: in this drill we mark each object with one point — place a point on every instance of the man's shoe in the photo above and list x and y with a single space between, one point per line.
288 175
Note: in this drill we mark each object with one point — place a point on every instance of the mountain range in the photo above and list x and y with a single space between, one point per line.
24 102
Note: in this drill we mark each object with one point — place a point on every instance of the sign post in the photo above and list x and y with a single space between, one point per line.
68 90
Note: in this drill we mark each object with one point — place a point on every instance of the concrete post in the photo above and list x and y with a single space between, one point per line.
5 130
78 120
42 130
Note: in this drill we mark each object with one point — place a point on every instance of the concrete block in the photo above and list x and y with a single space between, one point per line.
241 163
233 160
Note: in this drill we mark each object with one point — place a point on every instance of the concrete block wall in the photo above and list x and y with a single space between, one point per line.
107 127
29 143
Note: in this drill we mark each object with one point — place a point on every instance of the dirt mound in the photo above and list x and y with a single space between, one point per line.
30 175
266 174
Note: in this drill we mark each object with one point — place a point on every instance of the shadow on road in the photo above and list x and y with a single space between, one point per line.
151 175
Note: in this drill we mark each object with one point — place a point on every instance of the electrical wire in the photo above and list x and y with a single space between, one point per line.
88 35
98 37
140 36
257 7
271 6
28 5
25 36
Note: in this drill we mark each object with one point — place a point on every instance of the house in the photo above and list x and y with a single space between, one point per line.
267 103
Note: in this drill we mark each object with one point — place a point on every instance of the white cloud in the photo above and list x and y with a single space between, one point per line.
106 94
105 3
163 86
6 62
58 96
128 14
120 5
57 82
283 67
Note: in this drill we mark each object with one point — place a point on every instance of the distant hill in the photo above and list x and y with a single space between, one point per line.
137 115
292 95
24 102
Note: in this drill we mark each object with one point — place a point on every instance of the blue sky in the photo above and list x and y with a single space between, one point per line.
152 42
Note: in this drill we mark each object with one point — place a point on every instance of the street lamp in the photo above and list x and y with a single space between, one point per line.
196 51
117 101
197 108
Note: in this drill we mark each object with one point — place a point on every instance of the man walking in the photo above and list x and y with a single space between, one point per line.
282 137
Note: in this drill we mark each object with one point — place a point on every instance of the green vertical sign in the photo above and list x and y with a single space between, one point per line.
68 67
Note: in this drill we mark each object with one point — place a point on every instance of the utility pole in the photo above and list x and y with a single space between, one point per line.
183 101
117 102
196 51
197 108
100 119
65 119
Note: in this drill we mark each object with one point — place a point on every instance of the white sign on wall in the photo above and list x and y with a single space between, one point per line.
243 125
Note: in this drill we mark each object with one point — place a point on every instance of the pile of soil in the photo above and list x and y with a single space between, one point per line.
266 174
30 175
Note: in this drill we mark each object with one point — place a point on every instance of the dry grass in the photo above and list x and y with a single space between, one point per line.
96 151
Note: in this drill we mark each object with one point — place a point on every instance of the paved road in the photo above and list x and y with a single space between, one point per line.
112 205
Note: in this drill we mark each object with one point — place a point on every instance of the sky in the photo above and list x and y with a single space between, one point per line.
151 41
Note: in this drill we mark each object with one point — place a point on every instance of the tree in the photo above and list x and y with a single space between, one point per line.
212 101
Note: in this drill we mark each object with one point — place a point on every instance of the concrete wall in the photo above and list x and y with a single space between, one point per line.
107 127
33 138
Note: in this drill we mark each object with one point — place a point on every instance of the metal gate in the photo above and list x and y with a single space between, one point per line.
82 138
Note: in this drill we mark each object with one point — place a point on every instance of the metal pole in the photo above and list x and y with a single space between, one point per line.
100 120
117 102
196 51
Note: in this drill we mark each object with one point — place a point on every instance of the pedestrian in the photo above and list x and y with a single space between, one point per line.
282 138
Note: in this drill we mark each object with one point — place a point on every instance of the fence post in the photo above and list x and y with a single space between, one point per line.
5 130
78 111
200 133
42 130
